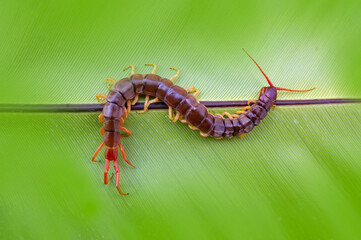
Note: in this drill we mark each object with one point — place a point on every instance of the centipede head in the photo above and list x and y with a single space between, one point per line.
272 90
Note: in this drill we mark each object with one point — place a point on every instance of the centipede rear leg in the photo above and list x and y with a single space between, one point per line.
123 155
117 172
106 170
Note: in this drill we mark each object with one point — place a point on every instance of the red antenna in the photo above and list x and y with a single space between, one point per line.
269 82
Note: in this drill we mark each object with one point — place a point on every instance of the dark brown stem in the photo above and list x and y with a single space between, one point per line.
160 105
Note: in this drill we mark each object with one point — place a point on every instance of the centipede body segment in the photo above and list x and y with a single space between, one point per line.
124 93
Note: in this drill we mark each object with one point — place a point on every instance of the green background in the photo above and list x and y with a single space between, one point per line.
296 176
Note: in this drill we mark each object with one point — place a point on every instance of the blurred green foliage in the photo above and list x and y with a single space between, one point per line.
295 176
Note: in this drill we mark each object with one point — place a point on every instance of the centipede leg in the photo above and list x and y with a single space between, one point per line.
125 130
106 169
245 109
176 117
192 90
227 114
125 112
251 101
182 120
170 113
101 98
132 67
147 103
192 127
129 106
135 100
241 112
154 67
203 134
101 130
175 75
110 83
116 167
242 135
150 102
123 154
100 117
97 151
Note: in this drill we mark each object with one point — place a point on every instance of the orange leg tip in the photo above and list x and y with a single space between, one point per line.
129 163
121 193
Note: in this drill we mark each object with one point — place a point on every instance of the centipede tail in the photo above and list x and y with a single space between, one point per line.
185 104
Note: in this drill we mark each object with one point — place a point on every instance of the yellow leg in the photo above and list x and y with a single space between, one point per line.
274 107
176 75
251 101
203 134
227 114
150 102
241 112
101 98
135 100
132 67
242 135
100 117
192 127
173 117
170 113
176 117
218 138
193 90
110 83
182 120
101 131
196 92
129 105
147 103
154 67
246 108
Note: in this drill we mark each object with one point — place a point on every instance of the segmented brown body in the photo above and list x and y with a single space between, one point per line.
194 113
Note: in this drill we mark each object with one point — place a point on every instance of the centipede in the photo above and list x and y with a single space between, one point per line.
182 105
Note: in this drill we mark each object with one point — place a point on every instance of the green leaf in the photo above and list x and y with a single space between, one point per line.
295 176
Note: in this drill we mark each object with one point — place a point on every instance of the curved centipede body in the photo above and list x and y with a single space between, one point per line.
117 105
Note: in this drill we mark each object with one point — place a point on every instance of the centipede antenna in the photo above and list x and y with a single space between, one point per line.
269 82
291 90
